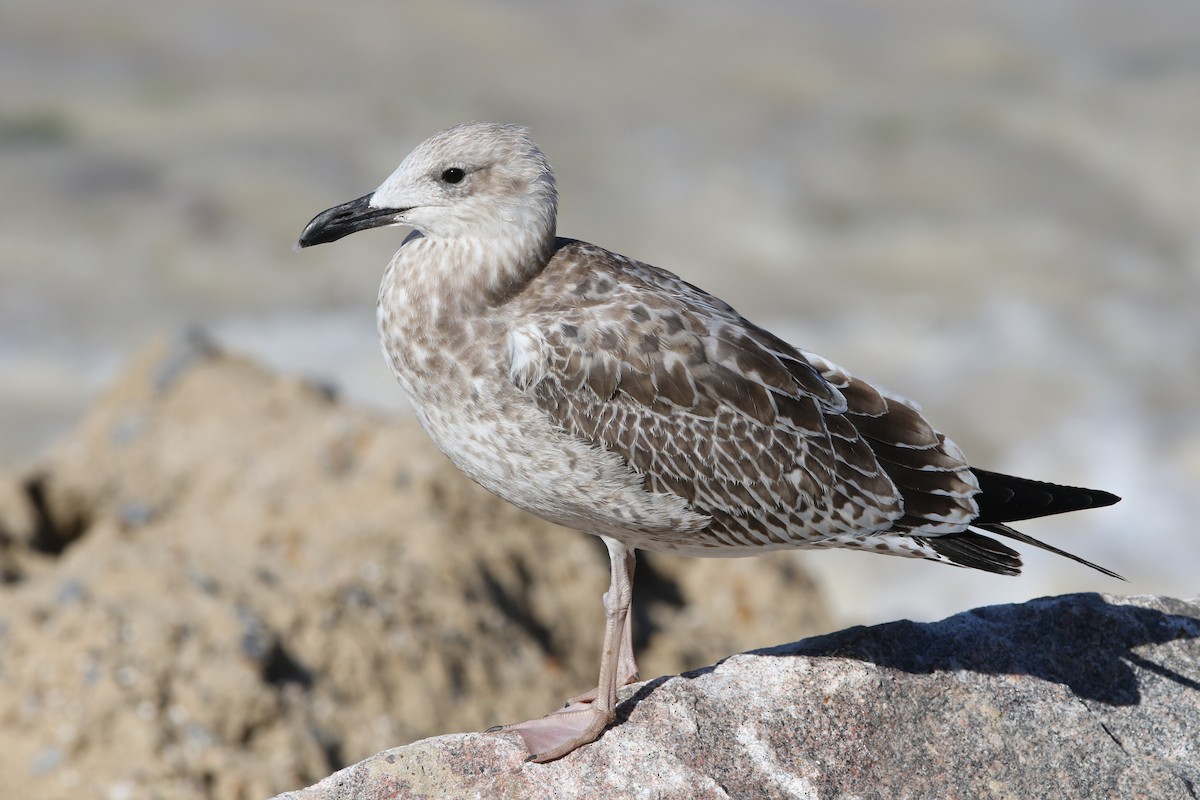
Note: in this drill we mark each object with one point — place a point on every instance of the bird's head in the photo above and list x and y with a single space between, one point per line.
478 180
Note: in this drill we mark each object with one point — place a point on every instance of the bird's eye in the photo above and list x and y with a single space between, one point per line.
453 175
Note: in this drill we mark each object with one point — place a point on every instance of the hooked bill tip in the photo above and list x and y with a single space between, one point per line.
334 223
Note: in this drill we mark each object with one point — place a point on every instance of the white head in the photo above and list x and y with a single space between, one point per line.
479 180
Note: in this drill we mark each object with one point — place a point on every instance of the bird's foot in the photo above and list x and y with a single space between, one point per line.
585 716
585 698
550 737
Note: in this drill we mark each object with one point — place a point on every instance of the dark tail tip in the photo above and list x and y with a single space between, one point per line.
974 550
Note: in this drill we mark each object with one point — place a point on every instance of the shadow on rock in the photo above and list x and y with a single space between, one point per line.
1081 641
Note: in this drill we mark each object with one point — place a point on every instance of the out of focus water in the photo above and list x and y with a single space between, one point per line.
988 206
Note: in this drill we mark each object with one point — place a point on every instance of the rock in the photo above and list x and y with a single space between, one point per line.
18 526
1074 696
227 584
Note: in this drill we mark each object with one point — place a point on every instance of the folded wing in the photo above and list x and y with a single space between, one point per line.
778 447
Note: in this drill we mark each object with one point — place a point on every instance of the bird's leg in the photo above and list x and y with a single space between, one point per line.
585 716
627 669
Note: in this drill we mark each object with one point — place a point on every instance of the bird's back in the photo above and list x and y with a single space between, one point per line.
776 447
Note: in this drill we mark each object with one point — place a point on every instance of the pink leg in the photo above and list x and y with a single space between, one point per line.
585 716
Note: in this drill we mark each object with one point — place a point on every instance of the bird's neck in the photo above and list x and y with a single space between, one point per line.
432 278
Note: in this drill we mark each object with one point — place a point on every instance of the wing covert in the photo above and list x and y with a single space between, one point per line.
705 405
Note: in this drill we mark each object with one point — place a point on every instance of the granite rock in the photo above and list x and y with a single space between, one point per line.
1074 696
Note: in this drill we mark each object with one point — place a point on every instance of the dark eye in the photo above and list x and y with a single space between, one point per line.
453 175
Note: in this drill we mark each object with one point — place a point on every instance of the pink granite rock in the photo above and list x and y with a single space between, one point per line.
1081 696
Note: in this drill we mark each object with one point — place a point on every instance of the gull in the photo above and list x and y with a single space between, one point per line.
612 397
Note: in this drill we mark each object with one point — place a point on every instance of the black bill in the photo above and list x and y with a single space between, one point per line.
334 223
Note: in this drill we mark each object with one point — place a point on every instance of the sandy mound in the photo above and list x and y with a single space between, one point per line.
228 584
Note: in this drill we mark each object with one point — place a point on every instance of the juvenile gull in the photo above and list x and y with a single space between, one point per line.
612 397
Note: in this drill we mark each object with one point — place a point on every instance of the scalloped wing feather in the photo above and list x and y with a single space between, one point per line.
779 447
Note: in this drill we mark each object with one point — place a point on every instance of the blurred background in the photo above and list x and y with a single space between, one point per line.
990 207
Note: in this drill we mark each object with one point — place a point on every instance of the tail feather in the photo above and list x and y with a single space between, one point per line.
970 549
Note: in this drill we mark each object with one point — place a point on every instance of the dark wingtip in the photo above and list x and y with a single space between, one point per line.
1011 533
1007 498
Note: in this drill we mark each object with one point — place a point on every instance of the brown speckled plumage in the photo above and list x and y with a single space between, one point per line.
615 398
